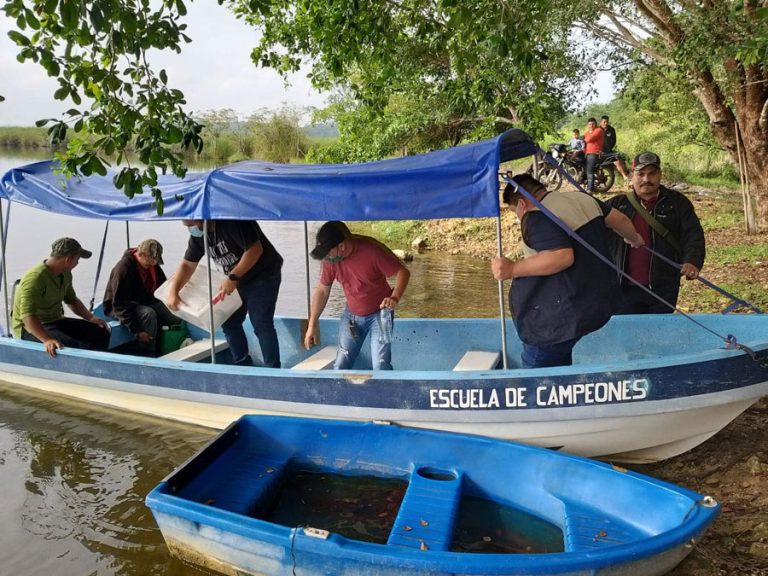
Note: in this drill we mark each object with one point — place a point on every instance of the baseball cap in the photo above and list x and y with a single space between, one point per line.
151 248
330 235
646 159
68 247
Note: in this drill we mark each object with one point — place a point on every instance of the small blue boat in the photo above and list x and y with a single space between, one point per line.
274 495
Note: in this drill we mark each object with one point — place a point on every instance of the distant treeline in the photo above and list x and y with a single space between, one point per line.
24 137
283 135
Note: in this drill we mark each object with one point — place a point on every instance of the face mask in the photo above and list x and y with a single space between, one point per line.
333 259
195 232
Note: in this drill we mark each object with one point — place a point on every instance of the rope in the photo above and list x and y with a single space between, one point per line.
730 340
736 301
98 266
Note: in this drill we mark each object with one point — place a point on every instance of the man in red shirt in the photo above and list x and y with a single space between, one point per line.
361 265
594 137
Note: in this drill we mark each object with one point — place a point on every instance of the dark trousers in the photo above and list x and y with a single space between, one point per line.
74 333
592 160
151 317
635 300
259 302
560 354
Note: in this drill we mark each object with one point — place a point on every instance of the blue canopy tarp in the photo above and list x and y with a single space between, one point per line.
460 182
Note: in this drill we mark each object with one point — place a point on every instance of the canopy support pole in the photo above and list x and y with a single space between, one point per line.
98 266
501 299
127 235
7 331
210 291
306 266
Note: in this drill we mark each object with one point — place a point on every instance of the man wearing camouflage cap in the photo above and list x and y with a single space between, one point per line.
130 294
38 313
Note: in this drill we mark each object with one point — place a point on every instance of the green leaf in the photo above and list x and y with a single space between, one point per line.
18 38
70 12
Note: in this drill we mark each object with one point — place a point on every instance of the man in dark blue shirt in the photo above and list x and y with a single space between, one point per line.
560 291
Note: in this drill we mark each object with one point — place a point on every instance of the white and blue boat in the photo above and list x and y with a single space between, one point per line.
273 496
641 389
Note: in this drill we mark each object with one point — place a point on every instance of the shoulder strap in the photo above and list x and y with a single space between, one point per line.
660 229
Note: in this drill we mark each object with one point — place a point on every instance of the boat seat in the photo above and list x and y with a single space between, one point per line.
477 360
428 511
247 488
118 334
320 360
198 350
587 530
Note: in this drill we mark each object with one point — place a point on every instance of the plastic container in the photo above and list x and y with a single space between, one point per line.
171 337
196 300
385 322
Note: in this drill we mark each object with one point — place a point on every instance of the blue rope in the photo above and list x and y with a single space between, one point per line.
736 301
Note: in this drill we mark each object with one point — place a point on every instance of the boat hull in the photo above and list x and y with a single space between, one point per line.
633 409
605 526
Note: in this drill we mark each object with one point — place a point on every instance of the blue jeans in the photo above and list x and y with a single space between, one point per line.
352 332
559 354
592 160
259 301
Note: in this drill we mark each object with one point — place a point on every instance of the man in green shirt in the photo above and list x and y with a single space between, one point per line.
38 313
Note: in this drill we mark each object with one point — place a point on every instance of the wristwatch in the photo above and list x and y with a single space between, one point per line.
234 277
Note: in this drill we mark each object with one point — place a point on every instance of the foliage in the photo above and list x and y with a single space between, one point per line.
97 50
412 75
277 135
421 74
23 137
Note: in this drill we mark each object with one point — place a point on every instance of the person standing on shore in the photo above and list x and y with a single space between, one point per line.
668 223
594 139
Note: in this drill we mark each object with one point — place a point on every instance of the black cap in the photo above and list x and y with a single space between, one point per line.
646 159
330 235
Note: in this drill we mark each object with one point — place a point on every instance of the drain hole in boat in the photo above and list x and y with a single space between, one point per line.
436 474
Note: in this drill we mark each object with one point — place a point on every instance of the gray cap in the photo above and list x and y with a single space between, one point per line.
151 248
64 247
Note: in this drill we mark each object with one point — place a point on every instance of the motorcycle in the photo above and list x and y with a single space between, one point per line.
574 164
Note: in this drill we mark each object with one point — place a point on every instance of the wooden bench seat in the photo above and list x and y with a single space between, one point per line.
478 360
198 350
320 360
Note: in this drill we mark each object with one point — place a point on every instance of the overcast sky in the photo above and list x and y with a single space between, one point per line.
214 72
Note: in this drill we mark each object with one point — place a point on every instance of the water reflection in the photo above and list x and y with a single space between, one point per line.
75 478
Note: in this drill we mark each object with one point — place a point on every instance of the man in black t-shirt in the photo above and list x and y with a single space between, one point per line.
609 143
253 268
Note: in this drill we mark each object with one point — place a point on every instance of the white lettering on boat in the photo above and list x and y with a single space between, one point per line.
559 395
455 398
592 393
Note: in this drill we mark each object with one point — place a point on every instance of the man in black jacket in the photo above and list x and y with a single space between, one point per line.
609 143
674 231
130 294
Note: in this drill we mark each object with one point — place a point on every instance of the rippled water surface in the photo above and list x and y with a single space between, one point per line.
74 479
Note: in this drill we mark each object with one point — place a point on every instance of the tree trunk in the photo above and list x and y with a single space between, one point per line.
750 103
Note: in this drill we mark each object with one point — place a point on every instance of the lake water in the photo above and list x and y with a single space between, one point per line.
74 476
